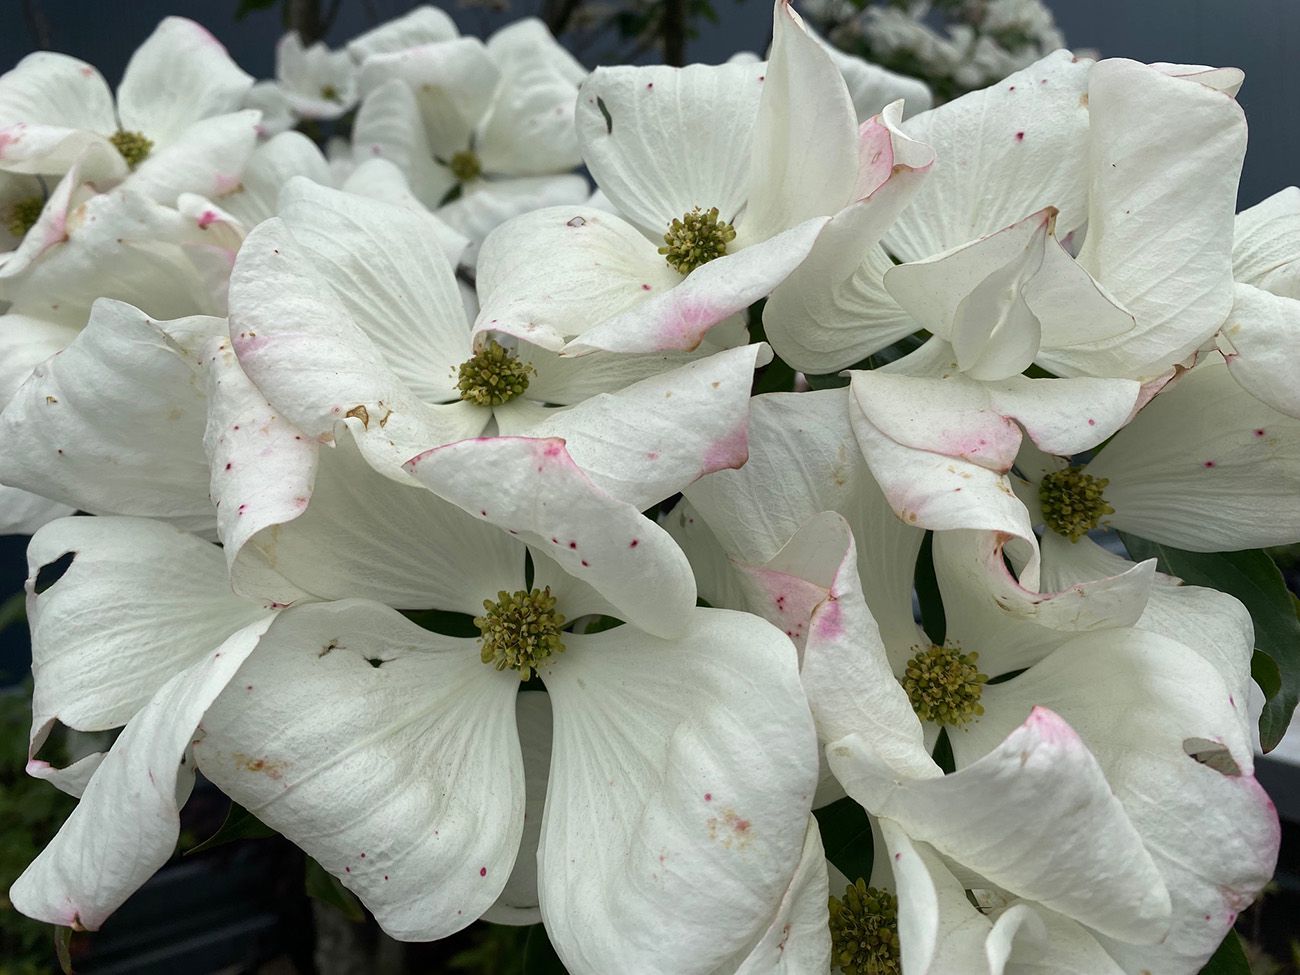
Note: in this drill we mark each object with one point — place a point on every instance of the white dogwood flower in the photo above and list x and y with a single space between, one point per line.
175 126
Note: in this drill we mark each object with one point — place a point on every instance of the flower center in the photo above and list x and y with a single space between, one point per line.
944 685
329 93
1072 502
133 146
464 165
520 630
695 239
24 214
493 375
864 931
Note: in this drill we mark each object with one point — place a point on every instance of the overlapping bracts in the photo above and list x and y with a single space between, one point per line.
432 374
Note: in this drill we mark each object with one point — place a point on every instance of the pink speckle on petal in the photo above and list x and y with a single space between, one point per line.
1259 432
830 624
1020 137
1091 422
586 564
1209 463
645 287
634 543
708 797
482 871
727 452
206 219
573 545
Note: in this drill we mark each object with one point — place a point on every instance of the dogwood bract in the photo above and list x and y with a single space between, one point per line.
455 518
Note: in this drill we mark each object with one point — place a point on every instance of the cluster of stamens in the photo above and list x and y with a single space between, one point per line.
944 685
864 931
465 165
520 630
24 214
695 239
133 146
1072 501
493 375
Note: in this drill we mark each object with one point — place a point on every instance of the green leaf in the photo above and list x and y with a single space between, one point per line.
846 837
539 956
1230 959
1263 669
1255 580
240 824
328 889
63 949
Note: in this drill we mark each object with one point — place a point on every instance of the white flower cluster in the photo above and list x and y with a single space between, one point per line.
526 608
958 44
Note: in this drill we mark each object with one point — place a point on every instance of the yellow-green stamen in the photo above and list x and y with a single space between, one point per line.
493 375
465 165
24 214
520 630
695 239
1073 502
329 93
944 685
864 931
133 146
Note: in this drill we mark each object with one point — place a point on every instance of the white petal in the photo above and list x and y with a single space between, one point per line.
140 602
675 139
519 903
387 267
680 317
26 342
388 126
833 309
128 820
207 158
680 787
22 513
379 179
846 669
565 269
179 75
798 939
1035 815
452 81
422 25
1263 333
1266 244
359 533
528 128
535 490
298 342
1162 248
939 930
1011 627
52 109
485 204
647 442
118 245
716 576
972 297
805 137
46 88
1031 128
1104 684
803 460
271 166
1205 466
113 424
419 813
